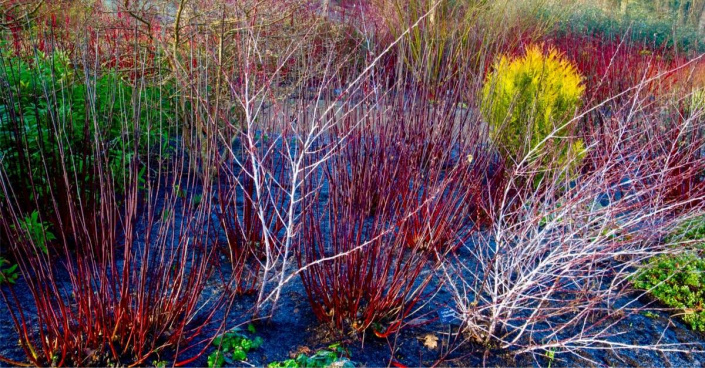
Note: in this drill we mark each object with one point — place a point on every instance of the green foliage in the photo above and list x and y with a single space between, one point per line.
233 347
36 231
692 231
530 96
24 104
638 23
697 101
52 115
649 314
335 355
7 274
679 281
551 355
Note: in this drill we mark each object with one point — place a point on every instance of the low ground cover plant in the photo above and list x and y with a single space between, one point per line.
677 280
334 356
233 346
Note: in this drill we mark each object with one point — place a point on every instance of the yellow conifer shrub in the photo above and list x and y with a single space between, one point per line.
525 98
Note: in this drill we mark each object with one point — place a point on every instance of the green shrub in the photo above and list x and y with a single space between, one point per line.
679 281
639 25
55 118
530 96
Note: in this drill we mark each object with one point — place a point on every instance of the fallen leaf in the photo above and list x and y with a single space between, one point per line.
430 341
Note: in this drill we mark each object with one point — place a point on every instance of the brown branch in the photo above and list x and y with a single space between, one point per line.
26 14
139 18
177 26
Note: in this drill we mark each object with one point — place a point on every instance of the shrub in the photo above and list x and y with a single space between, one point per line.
87 156
529 96
50 114
558 260
641 26
396 206
679 280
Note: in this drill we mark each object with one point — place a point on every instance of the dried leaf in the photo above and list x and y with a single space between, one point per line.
430 341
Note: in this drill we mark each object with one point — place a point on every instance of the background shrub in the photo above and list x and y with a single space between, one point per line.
644 26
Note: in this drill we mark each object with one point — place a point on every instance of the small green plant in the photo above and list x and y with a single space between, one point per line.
336 355
166 215
530 97
36 231
551 355
7 274
649 314
679 281
691 231
233 347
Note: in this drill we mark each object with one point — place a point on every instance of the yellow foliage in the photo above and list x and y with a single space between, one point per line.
697 101
526 98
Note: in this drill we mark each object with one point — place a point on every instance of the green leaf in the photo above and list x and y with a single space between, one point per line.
217 340
216 360
239 355
257 342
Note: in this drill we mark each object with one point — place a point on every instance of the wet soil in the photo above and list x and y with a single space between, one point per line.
294 329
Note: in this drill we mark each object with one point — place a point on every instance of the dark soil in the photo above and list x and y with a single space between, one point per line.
294 329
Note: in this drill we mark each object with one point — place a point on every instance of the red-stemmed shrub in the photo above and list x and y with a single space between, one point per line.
611 67
389 206
121 280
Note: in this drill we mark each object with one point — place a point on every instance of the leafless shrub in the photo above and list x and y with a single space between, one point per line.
553 271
